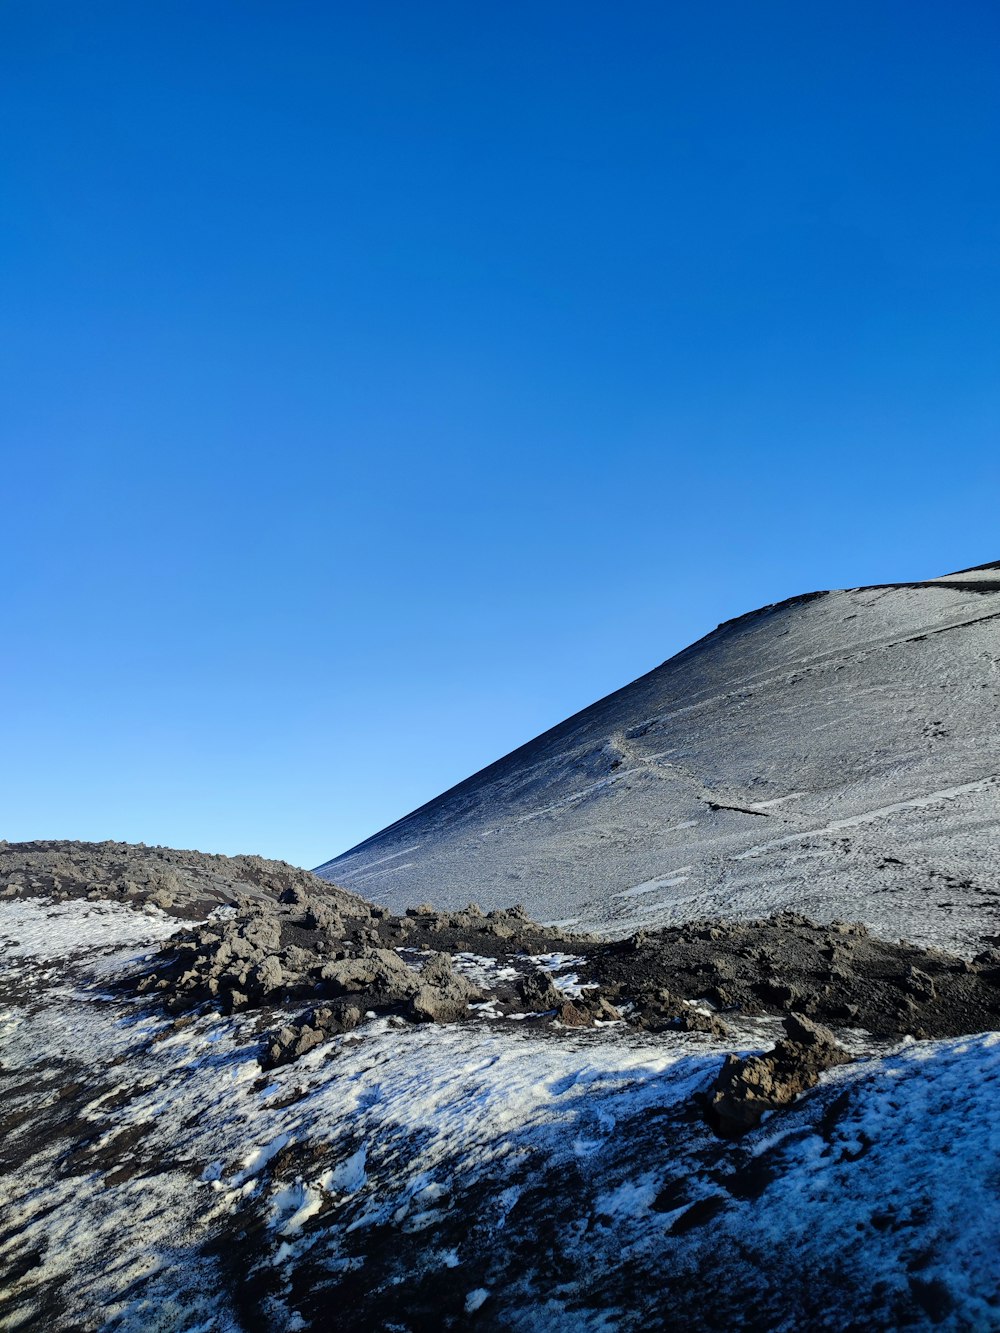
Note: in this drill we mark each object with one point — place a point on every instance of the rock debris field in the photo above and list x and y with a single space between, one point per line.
292 967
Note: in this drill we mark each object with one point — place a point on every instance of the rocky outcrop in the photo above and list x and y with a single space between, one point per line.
285 938
748 1087
309 1029
348 959
299 948
660 1011
442 994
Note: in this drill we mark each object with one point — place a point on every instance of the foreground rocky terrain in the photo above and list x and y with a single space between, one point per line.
235 1097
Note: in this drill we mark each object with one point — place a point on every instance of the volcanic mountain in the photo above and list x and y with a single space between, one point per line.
836 753
236 1097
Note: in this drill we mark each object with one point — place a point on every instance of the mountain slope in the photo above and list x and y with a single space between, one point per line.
837 753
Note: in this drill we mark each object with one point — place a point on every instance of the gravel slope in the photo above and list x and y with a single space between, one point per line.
837 754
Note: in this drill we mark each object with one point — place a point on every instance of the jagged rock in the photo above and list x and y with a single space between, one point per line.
343 1018
296 961
444 995
320 916
660 1011
600 1007
537 993
920 985
438 970
573 1015
289 1043
267 976
245 948
746 1088
695 1020
470 917
308 1030
501 929
657 1011
380 970
430 1004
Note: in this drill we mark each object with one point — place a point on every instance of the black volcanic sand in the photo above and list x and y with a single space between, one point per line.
837 974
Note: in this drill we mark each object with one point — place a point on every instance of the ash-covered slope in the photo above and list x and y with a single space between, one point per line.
837 753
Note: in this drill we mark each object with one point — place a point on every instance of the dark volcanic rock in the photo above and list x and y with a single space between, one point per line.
308 1030
746 1088
837 974
538 994
286 935
660 1011
185 884
347 959
443 995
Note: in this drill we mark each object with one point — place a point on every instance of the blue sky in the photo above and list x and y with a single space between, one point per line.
380 384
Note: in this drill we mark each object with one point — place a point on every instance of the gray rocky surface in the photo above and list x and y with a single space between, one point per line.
837 753
354 960
275 935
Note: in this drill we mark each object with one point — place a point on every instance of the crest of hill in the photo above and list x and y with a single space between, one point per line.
186 884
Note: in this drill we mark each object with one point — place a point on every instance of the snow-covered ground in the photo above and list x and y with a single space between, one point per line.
153 1177
838 754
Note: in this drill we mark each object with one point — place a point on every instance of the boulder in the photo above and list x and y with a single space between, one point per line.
308 1030
372 970
537 993
573 1015
748 1087
267 976
696 1020
657 1011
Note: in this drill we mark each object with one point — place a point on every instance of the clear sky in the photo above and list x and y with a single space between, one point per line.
381 383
